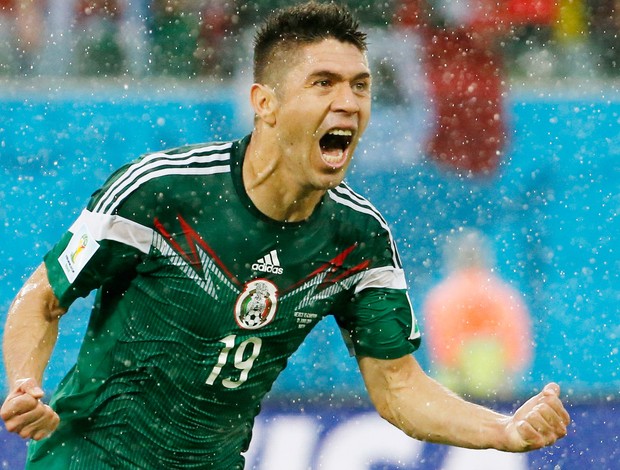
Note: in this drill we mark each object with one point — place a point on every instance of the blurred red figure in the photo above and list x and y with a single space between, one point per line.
24 20
465 72
478 328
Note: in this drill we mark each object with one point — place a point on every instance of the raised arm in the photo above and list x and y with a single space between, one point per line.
30 334
409 399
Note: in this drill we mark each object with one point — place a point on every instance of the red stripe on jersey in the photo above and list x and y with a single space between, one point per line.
194 238
334 266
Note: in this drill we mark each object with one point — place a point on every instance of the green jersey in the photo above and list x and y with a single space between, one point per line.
200 301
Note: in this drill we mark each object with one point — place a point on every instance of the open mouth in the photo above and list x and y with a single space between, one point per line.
334 145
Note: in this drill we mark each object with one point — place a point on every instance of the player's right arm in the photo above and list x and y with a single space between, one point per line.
30 334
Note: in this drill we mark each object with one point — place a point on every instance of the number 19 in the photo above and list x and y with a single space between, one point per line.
244 365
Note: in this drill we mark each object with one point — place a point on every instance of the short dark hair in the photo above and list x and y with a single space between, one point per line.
308 23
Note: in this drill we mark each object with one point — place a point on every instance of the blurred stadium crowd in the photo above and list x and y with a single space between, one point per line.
210 38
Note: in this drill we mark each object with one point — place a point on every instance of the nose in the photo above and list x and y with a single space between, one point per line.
345 99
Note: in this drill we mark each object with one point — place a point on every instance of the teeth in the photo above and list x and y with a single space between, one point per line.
344 132
334 158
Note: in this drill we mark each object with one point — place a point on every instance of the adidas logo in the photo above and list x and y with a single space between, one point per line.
268 264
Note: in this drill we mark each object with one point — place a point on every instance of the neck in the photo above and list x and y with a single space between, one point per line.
271 188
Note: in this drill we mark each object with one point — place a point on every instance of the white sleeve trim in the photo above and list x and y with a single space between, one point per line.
385 277
115 228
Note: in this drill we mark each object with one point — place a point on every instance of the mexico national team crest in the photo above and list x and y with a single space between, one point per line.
257 304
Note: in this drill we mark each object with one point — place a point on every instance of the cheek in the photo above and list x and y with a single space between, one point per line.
365 115
298 129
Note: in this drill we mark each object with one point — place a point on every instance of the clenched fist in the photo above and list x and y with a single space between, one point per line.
539 422
25 414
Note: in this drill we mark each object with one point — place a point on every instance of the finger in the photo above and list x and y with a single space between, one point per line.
554 402
535 434
550 395
41 427
549 414
19 421
531 437
30 386
561 412
537 421
551 388
41 434
557 416
18 405
546 423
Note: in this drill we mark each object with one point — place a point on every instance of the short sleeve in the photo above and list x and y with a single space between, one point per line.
379 322
97 249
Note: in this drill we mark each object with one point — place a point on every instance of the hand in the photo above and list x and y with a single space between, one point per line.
25 414
539 422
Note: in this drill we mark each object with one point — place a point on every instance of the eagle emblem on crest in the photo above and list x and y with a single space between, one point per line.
257 304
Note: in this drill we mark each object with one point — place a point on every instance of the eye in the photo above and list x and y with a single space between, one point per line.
322 83
361 87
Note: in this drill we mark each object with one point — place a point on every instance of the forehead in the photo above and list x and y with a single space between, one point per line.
331 55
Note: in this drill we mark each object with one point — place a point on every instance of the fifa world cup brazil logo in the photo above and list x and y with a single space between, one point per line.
257 304
81 245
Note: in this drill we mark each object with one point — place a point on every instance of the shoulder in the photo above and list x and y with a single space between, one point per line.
354 217
205 148
352 206
151 173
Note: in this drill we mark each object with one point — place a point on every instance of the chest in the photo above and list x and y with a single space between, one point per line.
228 271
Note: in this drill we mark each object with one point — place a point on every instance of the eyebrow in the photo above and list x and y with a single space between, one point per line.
337 76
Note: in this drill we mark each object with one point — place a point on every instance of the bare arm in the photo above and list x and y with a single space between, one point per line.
30 334
406 397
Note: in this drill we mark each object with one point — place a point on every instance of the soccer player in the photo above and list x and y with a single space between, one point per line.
212 262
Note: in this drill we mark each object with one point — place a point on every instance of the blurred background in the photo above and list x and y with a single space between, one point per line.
493 152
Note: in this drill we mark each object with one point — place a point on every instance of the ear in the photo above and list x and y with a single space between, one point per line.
264 103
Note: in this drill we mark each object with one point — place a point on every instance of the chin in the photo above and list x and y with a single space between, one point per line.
333 180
